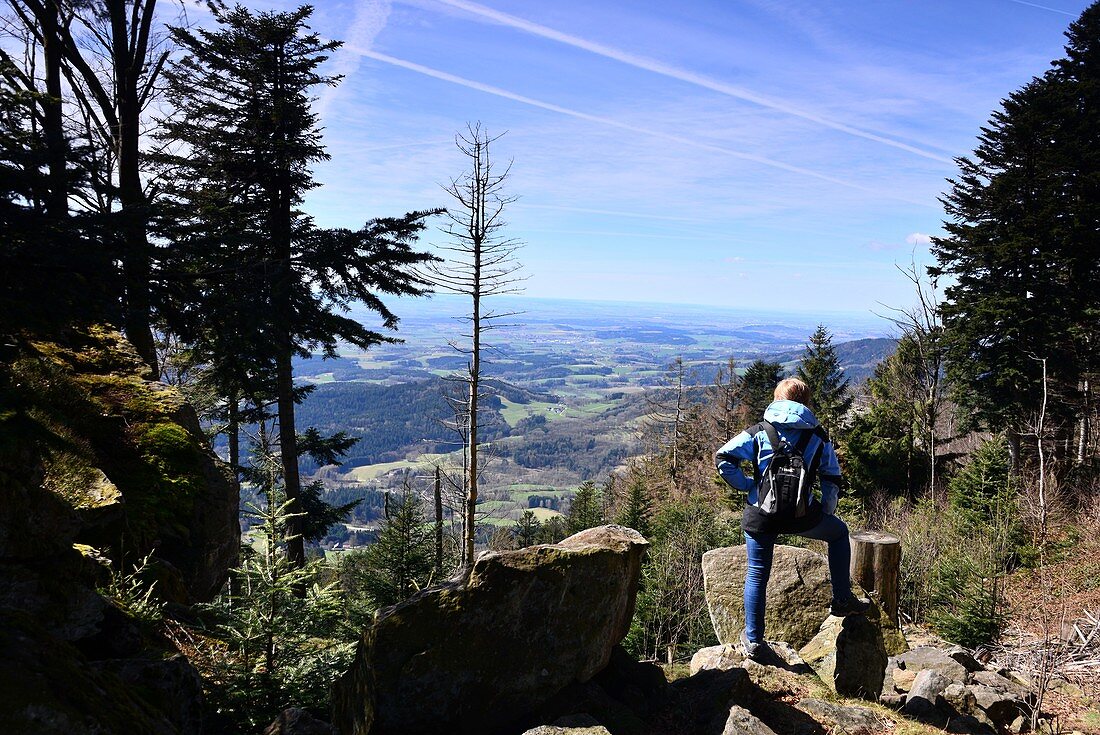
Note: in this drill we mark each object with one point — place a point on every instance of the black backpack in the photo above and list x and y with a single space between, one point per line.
785 487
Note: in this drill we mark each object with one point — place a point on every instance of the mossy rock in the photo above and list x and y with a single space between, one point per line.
101 455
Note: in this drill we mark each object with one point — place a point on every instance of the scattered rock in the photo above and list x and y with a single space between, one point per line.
481 653
964 657
927 657
580 724
701 703
893 701
296 721
798 594
742 722
1002 684
999 707
722 657
1064 687
924 694
960 698
849 655
849 719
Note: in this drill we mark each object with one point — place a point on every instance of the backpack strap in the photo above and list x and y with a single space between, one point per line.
753 431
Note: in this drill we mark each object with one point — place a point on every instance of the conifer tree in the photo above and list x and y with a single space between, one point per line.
400 562
758 386
265 283
636 505
820 370
1021 247
526 530
584 510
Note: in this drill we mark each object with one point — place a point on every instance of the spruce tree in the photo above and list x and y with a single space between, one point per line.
820 370
584 510
1021 246
263 282
636 505
526 530
758 386
400 562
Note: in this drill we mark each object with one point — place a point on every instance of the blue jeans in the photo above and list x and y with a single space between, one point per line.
760 546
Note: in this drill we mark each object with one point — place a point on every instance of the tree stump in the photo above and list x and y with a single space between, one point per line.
876 563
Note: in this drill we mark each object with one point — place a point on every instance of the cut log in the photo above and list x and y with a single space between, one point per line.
876 563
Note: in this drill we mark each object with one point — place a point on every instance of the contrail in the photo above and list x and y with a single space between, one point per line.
1024 2
610 122
683 75
371 17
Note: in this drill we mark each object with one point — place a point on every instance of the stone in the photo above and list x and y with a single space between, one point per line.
798 595
296 721
482 652
849 719
596 729
849 655
722 657
964 657
702 703
742 722
1003 684
960 698
925 693
927 657
893 701
999 707
1065 688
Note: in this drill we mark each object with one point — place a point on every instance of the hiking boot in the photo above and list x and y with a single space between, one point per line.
852 606
754 651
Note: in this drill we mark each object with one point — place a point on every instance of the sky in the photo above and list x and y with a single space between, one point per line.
736 153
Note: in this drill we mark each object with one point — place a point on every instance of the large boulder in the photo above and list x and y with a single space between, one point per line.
849 655
101 467
798 596
481 652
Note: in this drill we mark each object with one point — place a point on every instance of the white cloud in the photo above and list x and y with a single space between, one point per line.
918 238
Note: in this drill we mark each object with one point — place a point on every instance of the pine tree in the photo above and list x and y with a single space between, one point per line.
400 562
758 386
584 510
526 530
1021 246
265 283
636 505
820 370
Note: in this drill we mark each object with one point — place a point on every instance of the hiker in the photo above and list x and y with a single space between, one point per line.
781 500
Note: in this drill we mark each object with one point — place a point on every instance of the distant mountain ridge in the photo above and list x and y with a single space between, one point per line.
857 357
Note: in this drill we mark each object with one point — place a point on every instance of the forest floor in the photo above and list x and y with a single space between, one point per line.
1054 625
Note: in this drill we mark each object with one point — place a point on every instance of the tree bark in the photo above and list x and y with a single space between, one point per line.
438 524
876 565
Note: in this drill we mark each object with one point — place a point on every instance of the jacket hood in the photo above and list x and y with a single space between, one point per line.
790 414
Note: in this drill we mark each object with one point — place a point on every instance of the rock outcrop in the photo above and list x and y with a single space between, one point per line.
798 593
99 467
480 653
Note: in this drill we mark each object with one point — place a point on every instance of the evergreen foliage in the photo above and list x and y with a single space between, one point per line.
820 370
883 449
1021 245
526 530
260 283
758 386
399 564
585 510
271 647
634 511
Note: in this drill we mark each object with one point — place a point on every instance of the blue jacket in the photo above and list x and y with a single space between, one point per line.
790 419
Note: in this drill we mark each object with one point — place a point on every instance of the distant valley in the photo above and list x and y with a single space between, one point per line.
567 381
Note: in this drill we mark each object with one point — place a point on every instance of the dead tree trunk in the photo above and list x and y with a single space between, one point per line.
876 563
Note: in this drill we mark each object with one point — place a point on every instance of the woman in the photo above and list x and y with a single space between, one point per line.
780 500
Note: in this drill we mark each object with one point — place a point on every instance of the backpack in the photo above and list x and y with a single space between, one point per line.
785 486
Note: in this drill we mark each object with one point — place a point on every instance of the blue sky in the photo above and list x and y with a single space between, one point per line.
739 153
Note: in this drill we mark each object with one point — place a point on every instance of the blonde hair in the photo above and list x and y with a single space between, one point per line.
792 389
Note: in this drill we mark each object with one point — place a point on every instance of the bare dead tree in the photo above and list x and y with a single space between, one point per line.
922 325
726 403
481 263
